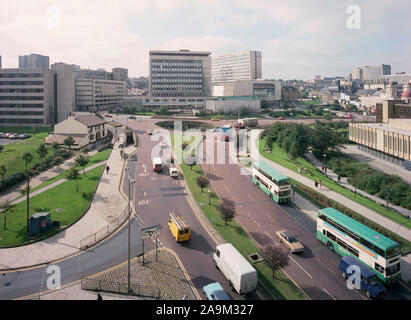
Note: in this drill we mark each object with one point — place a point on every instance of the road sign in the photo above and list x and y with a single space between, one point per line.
149 232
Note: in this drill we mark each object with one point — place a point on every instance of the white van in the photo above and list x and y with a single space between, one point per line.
173 172
241 275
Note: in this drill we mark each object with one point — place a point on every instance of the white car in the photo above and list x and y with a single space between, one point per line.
173 172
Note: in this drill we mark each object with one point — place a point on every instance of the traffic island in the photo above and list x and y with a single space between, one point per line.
163 278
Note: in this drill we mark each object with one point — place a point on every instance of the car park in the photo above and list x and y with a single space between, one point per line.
214 291
290 241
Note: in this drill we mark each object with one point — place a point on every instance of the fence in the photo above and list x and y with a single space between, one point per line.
120 288
104 232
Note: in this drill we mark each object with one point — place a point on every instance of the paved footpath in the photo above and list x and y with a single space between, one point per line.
107 204
364 211
14 191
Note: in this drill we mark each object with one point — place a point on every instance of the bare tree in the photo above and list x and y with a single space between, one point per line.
227 210
276 258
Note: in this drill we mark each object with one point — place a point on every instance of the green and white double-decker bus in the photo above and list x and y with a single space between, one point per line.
272 182
348 237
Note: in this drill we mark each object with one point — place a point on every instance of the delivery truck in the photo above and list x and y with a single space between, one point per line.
241 275
248 122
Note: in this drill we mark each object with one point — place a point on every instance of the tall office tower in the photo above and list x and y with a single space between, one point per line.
181 73
26 97
34 61
375 72
239 66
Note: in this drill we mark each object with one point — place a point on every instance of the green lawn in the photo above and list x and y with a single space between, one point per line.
63 196
98 157
279 156
281 287
12 153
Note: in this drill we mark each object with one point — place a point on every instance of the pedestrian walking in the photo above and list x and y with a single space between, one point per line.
316 183
322 168
325 169
107 169
99 297
212 220
339 179
321 184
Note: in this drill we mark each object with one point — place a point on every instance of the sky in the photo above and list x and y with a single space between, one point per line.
298 38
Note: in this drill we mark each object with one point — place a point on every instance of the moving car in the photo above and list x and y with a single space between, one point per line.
215 119
290 241
367 279
149 132
214 291
108 115
241 275
173 172
132 117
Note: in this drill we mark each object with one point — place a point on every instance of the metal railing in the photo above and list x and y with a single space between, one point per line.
120 288
104 232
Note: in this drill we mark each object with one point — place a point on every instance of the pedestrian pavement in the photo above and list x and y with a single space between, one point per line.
106 206
364 211
13 192
344 182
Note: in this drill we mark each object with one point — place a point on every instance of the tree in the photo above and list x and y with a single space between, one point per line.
323 137
27 158
202 182
162 110
3 171
73 174
276 258
69 141
5 207
58 161
82 161
56 147
85 150
42 151
227 210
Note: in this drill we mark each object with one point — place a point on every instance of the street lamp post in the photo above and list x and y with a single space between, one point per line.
130 181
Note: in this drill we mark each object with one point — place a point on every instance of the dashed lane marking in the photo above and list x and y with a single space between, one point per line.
301 267
329 294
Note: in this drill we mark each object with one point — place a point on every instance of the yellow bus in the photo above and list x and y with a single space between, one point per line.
179 228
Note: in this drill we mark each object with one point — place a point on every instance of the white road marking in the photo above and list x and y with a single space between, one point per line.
301 267
271 238
329 294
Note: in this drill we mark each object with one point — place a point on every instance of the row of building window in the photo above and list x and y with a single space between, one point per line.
21 98
21 90
22 121
21 105
21 83
21 75
22 113
176 63
396 143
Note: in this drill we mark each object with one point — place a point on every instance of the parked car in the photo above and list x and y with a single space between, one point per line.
108 115
132 117
281 118
214 291
215 119
8 134
24 136
14 136
2 134
290 241
368 279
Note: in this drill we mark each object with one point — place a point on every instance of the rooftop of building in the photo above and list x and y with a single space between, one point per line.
390 128
89 120
181 52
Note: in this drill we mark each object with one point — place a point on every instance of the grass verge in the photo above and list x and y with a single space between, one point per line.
279 156
281 287
63 196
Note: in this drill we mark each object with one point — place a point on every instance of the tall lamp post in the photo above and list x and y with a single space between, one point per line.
130 181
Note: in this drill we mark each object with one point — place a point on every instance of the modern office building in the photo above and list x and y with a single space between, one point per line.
370 73
182 73
27 97
263 89
34 61
87 90
239 66
390 137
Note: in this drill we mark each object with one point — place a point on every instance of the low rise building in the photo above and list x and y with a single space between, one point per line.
233 104
263 89
85 129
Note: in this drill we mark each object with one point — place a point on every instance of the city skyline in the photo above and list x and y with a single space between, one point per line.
312 38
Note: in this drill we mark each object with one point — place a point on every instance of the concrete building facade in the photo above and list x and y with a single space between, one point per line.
239 66
233 104
181 73
263 89
34 61
27 97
